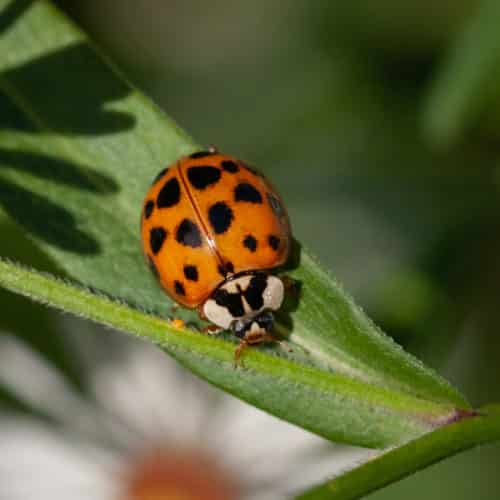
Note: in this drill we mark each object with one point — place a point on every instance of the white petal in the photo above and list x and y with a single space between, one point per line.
35 381
38 464
250 433
154 395
276 457
311 470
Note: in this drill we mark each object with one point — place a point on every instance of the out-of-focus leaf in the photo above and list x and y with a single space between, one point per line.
466 90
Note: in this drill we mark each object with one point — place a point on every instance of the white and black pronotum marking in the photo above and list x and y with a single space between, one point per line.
244 303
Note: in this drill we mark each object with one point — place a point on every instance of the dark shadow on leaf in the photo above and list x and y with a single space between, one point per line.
294 288
44 219
58 170
11 117
295 255
12 12
68 91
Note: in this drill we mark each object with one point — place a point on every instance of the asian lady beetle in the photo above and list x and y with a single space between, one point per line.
212 231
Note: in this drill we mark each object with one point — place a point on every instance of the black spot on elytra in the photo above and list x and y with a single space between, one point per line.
202 154
148 208
229 166
191 273
153 268
255 291
170 194
160 175
226 268
188 234
157 236
275 205
220 217
203 176
246 192
274 242
231 301
179 288
250 242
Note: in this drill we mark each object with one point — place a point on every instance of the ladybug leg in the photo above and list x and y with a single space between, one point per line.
237 353
200 312
253 338
265 337
212 329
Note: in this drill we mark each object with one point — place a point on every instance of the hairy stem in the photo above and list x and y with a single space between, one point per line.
472 429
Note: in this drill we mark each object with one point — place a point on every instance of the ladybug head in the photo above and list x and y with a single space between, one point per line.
263 322
244 302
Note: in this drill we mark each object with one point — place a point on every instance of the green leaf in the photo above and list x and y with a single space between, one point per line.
332 405
393 465
78 149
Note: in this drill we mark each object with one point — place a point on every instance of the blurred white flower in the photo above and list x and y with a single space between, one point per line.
148 430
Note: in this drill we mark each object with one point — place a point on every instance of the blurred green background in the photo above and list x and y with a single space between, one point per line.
379 122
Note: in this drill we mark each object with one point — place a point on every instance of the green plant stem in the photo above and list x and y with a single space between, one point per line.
405 460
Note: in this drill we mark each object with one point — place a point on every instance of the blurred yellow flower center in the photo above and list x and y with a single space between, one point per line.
178 475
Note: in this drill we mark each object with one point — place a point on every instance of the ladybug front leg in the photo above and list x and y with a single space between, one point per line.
237 353
212 329
200 312
251 338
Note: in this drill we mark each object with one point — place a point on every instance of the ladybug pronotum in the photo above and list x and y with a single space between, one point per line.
213 229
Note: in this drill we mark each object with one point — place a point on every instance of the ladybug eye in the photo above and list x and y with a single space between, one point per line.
265 320
239 327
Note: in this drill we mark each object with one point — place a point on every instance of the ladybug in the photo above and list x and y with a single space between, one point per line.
213 229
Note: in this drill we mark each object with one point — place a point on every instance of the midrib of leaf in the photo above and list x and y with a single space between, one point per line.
393 416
